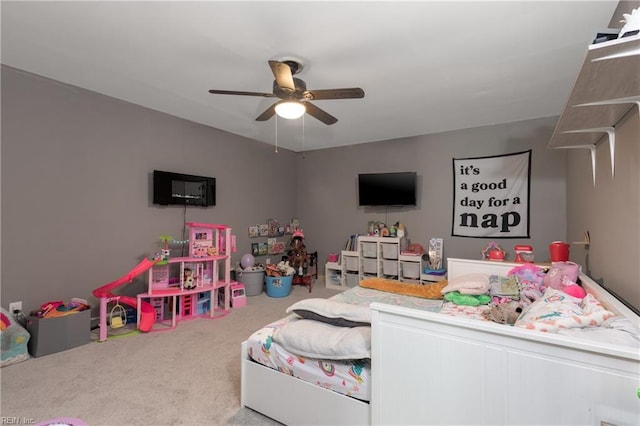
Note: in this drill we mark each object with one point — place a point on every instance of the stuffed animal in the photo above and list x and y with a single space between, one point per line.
467 299
297 254
189 283
503 313
431 291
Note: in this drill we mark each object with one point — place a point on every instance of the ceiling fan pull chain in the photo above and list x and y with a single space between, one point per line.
276 134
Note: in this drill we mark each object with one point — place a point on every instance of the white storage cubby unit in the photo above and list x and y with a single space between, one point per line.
350 268
333 275
376 257
343 275
380 257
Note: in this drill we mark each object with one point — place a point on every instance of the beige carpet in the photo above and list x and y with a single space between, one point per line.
186 376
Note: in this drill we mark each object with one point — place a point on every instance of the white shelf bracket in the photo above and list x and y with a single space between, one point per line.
610 130
612 151
592 148
611 133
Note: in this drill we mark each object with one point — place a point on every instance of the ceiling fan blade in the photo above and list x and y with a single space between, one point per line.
284 77
346 93
235 92
268 113
320 114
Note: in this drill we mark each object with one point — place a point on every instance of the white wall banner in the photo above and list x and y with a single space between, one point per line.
491 196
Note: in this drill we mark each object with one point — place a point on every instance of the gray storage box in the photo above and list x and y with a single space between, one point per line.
411 269
51 335
352 280
370 266
390 267
390 250
369 249
253 281
351 263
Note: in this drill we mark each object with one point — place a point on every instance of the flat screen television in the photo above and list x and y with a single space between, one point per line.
387 189
177 188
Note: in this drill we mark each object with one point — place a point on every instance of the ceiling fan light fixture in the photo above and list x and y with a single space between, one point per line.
290 109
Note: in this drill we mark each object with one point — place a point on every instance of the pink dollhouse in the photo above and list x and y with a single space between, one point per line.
189 286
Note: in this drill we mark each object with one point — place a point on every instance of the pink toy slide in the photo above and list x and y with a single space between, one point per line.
147 313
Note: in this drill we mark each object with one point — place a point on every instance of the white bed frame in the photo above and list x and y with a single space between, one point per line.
462 371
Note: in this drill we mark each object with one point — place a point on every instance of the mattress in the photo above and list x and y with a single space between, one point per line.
353 377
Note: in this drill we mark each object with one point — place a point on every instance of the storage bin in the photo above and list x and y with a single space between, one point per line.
51 335
390 267
390 251
351 263
369 249
253 281
369 266
279 286
352 280
411 270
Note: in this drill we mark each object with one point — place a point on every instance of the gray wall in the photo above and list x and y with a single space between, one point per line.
76 167
76 186
327 202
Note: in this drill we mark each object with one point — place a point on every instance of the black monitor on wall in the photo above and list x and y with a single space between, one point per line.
387 189
182 189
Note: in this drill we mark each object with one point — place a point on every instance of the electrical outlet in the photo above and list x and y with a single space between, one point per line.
15 306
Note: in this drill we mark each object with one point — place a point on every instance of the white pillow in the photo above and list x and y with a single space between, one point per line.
474 283
332 312
315 339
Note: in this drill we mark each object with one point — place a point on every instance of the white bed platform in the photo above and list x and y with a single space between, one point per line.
462 371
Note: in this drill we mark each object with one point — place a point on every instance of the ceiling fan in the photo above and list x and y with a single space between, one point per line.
294 96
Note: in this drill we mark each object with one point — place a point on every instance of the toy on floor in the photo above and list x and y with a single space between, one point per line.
146 311
205 271
14 340
238 295
118 316
297 255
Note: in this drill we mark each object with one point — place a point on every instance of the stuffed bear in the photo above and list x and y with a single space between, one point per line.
503 313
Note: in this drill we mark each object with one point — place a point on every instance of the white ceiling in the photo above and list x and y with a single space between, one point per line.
425 67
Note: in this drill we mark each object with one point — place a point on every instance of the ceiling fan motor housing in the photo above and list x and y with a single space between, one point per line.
300 86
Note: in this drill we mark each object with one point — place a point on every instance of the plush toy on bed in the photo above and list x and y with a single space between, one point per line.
467 299
503 313
564 276
431 291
